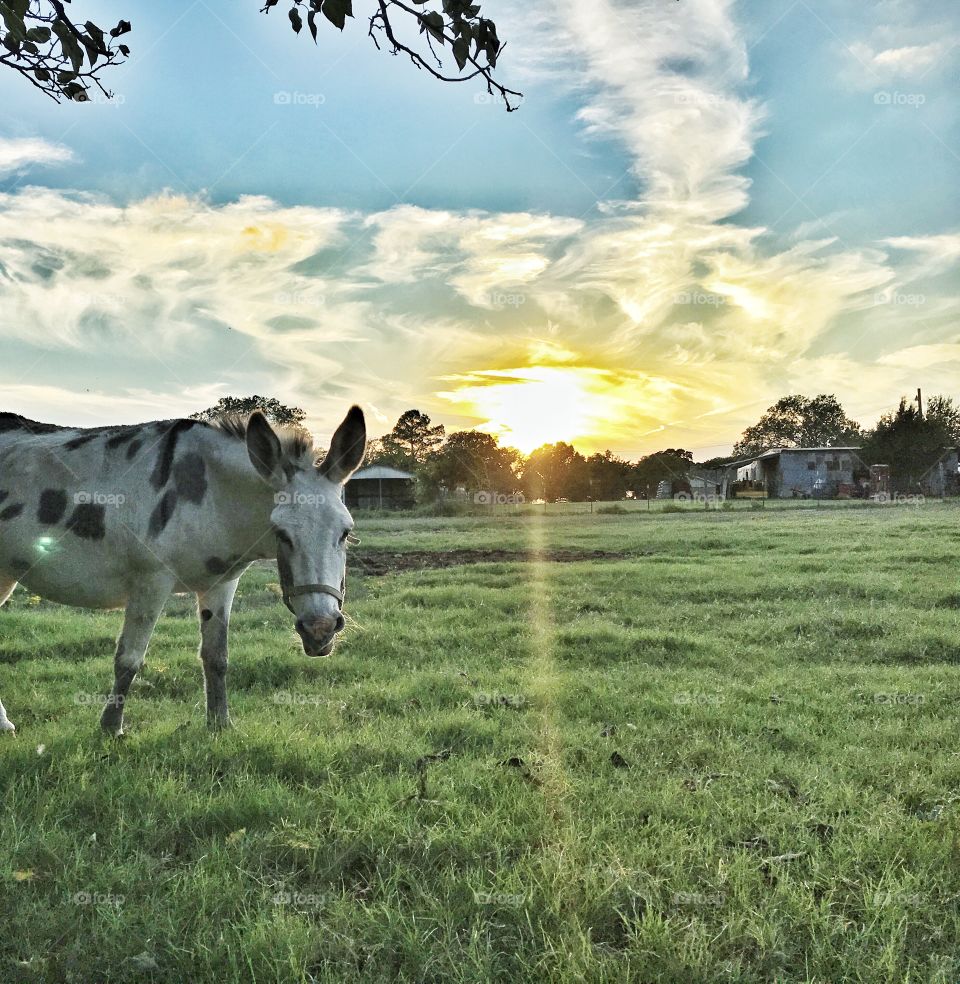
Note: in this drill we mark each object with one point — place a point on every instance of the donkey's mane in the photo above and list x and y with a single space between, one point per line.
296 441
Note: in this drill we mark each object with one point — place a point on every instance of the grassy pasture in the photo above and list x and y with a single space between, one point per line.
688 747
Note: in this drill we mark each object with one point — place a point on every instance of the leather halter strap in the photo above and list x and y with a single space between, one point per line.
302 589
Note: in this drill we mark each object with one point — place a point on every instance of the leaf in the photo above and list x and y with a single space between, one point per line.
434 24
69 44
295 20
42 74
237 835
145 962
124 50
39 34
24 876
312 24
461 50
123 27
337 11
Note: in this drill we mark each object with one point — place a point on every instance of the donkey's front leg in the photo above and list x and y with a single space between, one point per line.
144 605
6 589
214 607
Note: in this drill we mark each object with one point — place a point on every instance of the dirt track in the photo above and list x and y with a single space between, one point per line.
380 562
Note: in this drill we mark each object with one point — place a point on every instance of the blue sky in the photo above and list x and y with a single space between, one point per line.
701 206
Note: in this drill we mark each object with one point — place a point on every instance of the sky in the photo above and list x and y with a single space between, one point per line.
701 206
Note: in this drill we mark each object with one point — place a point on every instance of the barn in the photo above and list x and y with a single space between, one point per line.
380 487
801 473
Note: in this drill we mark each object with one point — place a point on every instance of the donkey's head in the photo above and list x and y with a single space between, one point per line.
311 523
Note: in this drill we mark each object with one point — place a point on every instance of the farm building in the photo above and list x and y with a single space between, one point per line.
793 473
380 487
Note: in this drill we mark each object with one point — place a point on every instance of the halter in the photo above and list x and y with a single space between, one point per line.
303 589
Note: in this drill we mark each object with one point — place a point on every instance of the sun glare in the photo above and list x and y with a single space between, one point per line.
536 405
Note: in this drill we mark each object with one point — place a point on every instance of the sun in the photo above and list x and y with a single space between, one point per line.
528 407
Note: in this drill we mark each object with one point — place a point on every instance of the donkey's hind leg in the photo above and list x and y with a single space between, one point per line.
6 589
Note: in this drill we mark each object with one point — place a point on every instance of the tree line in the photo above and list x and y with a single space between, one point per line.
910 439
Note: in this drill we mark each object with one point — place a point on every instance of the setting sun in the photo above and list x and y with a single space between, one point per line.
536 405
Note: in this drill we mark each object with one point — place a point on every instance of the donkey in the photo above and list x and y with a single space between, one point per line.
121 517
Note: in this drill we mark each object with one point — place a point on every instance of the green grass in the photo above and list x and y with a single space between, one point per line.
781 684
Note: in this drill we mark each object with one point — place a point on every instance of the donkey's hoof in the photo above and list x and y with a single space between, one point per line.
8 726
110 725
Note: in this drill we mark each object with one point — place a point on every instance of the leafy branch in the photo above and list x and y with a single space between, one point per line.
472 40
62 60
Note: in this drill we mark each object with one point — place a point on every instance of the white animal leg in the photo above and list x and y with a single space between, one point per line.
6 589
144 605
214 608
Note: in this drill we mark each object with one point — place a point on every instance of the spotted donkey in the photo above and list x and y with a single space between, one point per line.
123 516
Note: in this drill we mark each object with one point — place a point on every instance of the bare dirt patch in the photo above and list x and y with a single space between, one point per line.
380 562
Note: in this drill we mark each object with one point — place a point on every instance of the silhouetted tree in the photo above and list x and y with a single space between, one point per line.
909 442
475 460
412 439
671 465
271 408
609 476
799 422
556 471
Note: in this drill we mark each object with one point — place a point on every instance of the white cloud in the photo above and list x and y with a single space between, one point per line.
18 154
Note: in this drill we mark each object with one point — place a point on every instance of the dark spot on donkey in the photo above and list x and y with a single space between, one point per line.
133 449
11 512
161 470
85 438
162 512
217 565
87 521
190 477
53 506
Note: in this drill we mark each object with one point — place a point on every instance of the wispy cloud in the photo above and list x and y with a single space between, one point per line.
17 154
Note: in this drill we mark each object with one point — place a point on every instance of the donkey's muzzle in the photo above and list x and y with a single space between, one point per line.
318 634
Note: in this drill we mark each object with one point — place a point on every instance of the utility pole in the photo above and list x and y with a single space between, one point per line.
920 403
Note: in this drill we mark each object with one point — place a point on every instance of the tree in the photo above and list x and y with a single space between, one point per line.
609 476
671 465
909 442
43 44
271 408
475 460
799 422
412 439
556 471
941 410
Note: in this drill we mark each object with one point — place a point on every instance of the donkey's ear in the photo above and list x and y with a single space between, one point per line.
347 448
263 447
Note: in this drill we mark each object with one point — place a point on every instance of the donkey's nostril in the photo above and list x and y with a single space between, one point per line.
340 623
